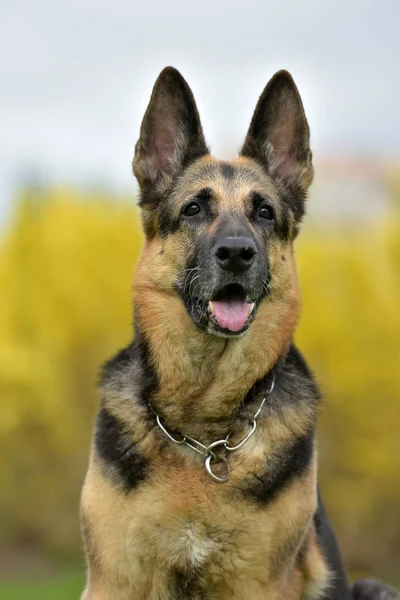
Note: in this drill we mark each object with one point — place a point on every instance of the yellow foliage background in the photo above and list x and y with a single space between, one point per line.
66 264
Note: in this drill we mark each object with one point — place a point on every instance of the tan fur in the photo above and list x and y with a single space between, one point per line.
136 537
316 572
160 527
178 522
195 368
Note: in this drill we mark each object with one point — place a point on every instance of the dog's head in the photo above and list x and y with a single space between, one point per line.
219 234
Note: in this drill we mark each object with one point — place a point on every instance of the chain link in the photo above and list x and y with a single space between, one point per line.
208 451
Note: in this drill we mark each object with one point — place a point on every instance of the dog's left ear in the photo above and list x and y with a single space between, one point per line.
171 136
279 138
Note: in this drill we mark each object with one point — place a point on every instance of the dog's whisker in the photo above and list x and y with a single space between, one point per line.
187 284
194 279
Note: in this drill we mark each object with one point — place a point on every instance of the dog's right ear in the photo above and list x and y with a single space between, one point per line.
171 136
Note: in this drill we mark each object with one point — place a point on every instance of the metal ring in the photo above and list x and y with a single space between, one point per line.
210 471
216 444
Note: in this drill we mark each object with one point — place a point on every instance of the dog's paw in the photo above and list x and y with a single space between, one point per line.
371 589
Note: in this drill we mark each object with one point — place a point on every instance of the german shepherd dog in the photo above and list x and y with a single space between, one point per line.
202 482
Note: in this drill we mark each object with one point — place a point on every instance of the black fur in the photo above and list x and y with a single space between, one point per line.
339 588
295 362
148 373
295 199
369 589
228 171
293 383
131 366
135 358
281 470
114 447
185 585
119 362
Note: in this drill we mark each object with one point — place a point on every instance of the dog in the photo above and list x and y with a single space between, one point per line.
202 482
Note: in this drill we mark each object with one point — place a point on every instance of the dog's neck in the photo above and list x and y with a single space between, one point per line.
202 378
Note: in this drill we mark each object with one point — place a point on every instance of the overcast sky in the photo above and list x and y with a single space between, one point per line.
75 77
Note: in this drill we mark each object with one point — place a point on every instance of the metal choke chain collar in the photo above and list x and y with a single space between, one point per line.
210 451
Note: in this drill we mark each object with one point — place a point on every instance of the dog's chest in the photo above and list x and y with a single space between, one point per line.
179 531
196 535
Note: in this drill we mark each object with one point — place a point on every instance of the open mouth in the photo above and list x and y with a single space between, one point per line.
231 310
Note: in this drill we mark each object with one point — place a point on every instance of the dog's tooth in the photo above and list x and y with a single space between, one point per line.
251 307
211 308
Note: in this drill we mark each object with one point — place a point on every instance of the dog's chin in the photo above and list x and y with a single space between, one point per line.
228 314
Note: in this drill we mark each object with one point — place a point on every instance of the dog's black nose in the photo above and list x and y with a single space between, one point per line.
236 254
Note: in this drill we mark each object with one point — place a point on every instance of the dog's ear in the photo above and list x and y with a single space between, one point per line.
279 138
170 136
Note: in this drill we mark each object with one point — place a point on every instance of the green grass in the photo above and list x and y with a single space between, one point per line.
65 587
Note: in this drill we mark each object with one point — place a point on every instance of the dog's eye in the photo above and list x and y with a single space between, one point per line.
191 209
266 212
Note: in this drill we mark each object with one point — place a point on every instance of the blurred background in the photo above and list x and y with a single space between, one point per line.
75 79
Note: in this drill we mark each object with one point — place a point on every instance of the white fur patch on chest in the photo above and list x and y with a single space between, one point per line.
188 547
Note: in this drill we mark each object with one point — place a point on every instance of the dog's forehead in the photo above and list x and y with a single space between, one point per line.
231 183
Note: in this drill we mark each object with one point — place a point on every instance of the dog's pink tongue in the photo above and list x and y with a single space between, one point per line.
231 315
